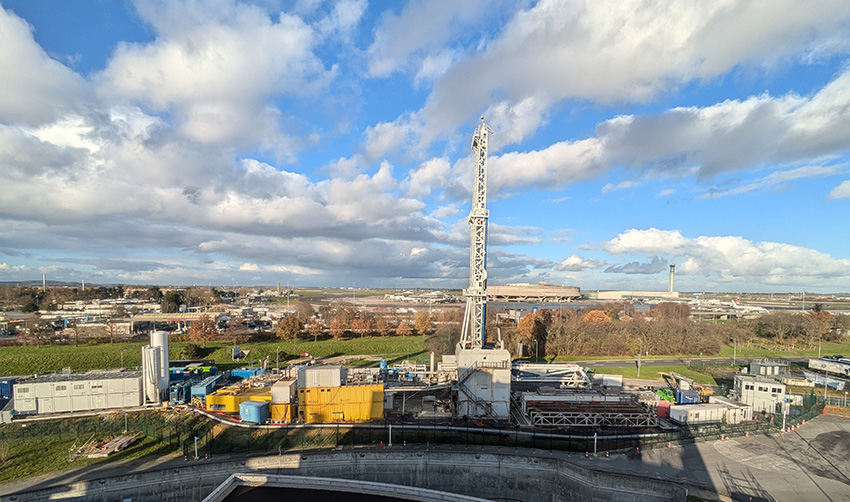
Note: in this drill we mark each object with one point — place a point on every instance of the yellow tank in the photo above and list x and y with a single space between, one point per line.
339 404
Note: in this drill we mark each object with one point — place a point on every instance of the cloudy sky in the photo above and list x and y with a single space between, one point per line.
328 143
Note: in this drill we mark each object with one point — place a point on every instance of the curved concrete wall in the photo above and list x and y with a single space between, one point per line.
485 475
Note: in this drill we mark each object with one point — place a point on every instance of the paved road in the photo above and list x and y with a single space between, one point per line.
809 464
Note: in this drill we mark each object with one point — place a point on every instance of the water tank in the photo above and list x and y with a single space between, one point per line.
160 339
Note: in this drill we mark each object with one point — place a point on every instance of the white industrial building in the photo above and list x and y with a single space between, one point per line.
717 410
768 367
62 393
762 393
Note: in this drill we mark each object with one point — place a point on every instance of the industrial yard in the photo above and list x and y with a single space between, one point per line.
479 389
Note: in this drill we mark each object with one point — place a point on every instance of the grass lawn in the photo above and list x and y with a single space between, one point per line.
654 373
32 458
24 360
827 348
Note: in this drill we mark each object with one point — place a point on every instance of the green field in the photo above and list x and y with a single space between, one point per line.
654 373
25 360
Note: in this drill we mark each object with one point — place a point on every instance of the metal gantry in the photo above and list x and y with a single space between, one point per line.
472 334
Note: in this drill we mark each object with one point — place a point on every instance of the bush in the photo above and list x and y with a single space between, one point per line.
190 351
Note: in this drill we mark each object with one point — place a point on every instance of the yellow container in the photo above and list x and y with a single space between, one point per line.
227 400
340 404
281 412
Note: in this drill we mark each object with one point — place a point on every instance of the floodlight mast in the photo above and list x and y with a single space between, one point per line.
473 334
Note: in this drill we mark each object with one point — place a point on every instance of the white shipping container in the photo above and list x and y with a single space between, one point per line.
695 414
81 388
114 386
62 404
45 405
133 384
98 401
283 391
81 403
132 399
43 389
25 405
328 376
114 400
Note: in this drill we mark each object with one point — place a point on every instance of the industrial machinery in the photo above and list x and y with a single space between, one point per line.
483 370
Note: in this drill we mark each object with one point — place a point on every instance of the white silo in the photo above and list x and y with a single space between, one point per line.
159 339
150 373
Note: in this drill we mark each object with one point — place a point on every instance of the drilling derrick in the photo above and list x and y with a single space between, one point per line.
483 370
472 334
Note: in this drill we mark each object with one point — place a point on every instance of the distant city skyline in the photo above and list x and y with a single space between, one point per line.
326 144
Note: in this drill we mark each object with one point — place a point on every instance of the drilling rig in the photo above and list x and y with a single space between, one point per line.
483 369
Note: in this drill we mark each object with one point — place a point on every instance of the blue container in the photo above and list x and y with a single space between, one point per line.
6 387
205 387
246 372
254 411
687 397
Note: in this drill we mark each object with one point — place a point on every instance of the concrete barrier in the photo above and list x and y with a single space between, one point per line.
484 475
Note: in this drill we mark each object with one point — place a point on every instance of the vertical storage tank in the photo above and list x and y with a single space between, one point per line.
150 373
160 339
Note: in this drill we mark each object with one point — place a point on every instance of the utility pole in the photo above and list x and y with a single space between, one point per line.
640 350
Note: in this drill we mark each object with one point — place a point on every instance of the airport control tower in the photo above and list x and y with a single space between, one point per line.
483 368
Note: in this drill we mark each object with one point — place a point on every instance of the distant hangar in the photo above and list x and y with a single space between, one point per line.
533 293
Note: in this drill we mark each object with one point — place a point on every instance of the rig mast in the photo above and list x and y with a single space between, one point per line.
472 334
483 369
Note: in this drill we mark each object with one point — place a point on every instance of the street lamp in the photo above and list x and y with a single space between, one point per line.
122 358
277 356
536 351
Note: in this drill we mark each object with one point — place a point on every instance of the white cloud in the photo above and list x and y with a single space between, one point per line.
553 167
623 185
842 191
35 89
428 177
417 35
608 51
728 259
252 267
576 263
386 137
343 19
706 142
214 66
667 192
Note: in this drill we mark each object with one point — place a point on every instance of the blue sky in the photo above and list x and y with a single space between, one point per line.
327 143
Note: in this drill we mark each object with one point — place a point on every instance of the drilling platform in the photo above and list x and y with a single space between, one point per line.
483 367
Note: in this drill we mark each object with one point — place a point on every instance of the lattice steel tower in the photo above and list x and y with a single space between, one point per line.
473 334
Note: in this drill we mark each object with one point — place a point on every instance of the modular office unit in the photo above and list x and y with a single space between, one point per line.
78 392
